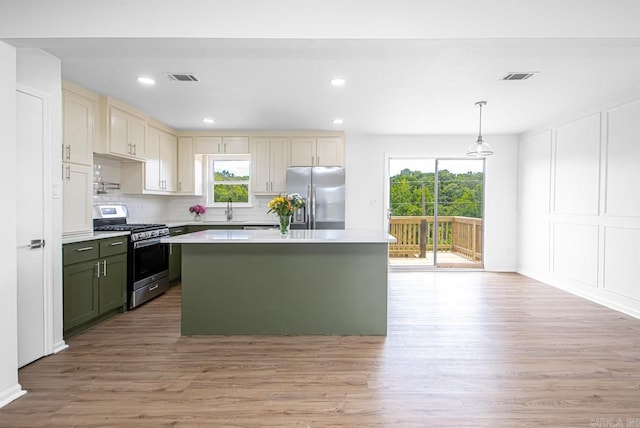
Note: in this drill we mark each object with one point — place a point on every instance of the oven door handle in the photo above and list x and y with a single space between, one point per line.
146 243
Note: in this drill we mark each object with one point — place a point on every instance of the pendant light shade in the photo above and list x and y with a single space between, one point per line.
480 149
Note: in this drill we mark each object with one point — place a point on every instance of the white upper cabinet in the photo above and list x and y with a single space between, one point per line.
269 160
317 151
127 134
78 128
222 145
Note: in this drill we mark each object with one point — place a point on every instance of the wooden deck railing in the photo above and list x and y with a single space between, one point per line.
415 235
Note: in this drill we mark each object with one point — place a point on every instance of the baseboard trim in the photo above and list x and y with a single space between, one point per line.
10 394
595 295
59 346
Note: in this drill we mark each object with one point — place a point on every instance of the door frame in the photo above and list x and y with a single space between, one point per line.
387 209
47 221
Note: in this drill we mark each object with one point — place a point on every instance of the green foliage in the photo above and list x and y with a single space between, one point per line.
237 192
412 193
225 175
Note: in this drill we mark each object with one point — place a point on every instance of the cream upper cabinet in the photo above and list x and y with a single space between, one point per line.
269 160
158 174
189 167
127 134
77 188
161 165
222 145
236 145
317 151
169 162
152 180
78 128
329 151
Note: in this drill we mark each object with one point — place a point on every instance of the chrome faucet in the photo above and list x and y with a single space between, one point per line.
229 211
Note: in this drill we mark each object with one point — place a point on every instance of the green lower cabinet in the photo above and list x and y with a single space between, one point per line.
113 283
175 261
175 254
80 295
94 287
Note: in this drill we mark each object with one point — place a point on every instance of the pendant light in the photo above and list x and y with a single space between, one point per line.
480 149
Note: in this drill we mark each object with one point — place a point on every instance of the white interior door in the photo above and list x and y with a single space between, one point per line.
30 227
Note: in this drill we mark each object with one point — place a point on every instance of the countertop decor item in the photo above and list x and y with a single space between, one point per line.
284 206
197 209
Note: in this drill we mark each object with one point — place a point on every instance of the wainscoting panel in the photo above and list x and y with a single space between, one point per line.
577 167
535 173
622 261
622 154
575 253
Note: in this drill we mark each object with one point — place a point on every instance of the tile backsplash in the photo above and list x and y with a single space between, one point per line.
154 208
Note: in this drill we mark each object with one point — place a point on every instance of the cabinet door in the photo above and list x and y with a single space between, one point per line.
209 145
137 134
260 165
175 254
278 161
77 198
152 164
113 282
186 165
302 151
235 145
169 162
329 151
80 293
78 124
119 140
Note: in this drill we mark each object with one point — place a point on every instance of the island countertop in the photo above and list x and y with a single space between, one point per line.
273 237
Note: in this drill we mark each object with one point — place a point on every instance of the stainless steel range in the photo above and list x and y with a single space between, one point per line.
147 260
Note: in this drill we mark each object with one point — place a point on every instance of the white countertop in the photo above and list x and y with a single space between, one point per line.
219 223
92 236
273 237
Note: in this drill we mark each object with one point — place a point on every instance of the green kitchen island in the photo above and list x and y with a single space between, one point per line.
255 282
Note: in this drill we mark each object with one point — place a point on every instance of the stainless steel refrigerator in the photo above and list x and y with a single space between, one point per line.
323 191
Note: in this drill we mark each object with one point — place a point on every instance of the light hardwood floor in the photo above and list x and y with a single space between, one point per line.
463 349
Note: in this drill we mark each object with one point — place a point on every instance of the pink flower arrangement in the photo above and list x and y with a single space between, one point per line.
198 209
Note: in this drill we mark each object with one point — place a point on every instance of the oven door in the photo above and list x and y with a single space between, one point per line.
150 258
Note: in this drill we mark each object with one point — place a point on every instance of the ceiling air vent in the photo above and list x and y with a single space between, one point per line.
518 75
182 77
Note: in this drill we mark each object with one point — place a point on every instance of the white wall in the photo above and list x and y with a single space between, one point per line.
365 169
579 209
9 387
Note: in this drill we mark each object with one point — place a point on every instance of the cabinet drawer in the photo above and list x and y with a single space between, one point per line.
175 231
79 252
111 246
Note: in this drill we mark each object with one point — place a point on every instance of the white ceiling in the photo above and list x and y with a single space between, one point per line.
394 86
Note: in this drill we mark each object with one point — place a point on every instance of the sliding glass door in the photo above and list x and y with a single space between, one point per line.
435 211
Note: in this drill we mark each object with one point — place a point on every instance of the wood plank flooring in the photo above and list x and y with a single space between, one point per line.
464 349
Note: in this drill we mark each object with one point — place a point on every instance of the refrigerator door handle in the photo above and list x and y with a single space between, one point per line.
307 208
313 206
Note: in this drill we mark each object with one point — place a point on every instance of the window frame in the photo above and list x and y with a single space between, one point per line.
211 183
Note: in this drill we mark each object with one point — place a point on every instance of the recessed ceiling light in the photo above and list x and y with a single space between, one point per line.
208 120
338 81
146 81
338 121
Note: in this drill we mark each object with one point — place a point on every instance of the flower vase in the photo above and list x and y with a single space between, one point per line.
284 224
197 217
